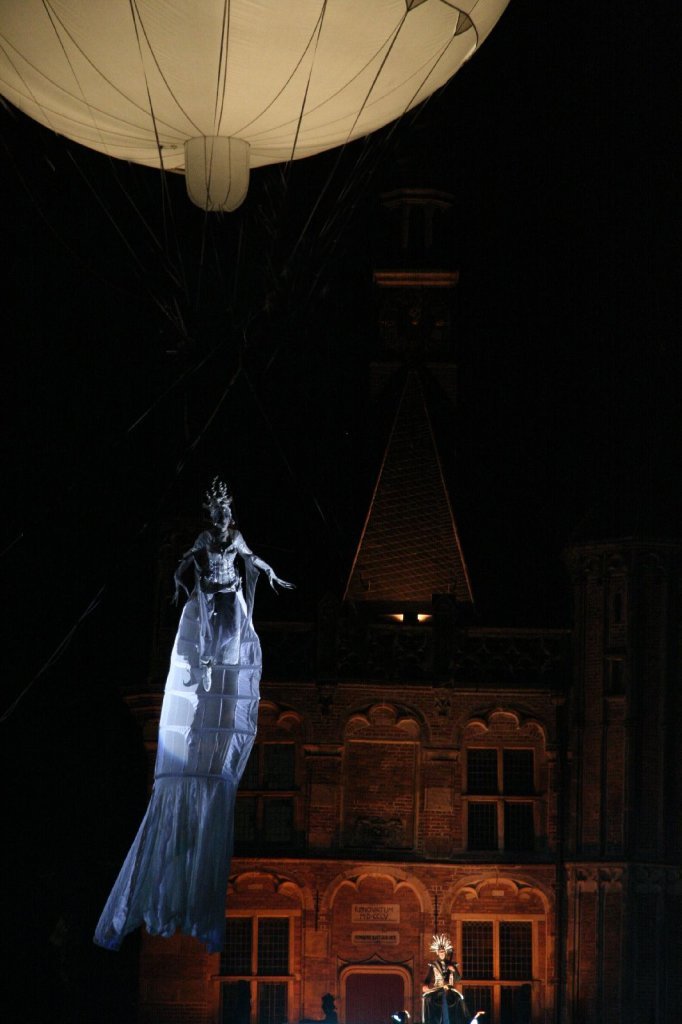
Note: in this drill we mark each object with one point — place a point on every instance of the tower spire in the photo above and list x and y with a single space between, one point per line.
410 548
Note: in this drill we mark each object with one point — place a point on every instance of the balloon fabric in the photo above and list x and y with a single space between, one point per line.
214 89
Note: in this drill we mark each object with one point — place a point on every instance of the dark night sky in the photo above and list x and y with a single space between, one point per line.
558 141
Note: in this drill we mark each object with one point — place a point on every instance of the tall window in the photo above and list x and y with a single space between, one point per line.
266 802
256 960
497 964
500 799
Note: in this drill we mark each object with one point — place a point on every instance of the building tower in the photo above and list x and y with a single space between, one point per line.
409 549
624 805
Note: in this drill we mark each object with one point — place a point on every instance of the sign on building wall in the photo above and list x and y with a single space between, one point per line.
376 913
375 938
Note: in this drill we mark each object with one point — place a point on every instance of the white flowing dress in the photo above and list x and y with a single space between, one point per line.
175 875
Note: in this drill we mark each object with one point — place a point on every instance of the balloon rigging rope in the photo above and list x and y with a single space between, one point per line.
331 96
163 250
382 65
58 29
57 652
29 90
219 94
222 69
37 207
94 602
342 149
320 21
54 18
92 269
205 228
286 82
190 372
277 441
167 206
351 180
198 437
372 154
112 220
137 21
176 321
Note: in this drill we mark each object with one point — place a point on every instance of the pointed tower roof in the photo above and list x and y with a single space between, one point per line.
409 548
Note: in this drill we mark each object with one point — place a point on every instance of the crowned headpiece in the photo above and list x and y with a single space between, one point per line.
217 496
441 942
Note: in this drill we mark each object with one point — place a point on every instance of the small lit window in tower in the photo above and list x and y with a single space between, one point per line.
409 618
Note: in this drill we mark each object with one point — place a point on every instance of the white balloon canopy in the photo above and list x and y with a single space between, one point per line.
213 87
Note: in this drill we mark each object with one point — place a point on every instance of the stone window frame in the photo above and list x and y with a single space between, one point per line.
261 794
499 799
254 979
496 983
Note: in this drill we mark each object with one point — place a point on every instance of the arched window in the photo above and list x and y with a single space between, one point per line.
268 811
504 785
256 966
261 955
500 932
266 804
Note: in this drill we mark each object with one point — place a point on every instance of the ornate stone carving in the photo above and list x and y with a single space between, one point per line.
373 832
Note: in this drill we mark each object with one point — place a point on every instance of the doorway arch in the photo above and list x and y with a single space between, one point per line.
372 993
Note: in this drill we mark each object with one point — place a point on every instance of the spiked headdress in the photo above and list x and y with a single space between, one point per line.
217 496
441 942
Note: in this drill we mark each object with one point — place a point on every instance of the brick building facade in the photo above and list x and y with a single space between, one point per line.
414 772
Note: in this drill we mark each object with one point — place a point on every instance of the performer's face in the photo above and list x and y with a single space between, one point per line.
441 953
221 516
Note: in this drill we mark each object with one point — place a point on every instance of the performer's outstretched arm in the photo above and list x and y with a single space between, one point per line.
273 578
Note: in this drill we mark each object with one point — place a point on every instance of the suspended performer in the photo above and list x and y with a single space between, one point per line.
175 875
443 1003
